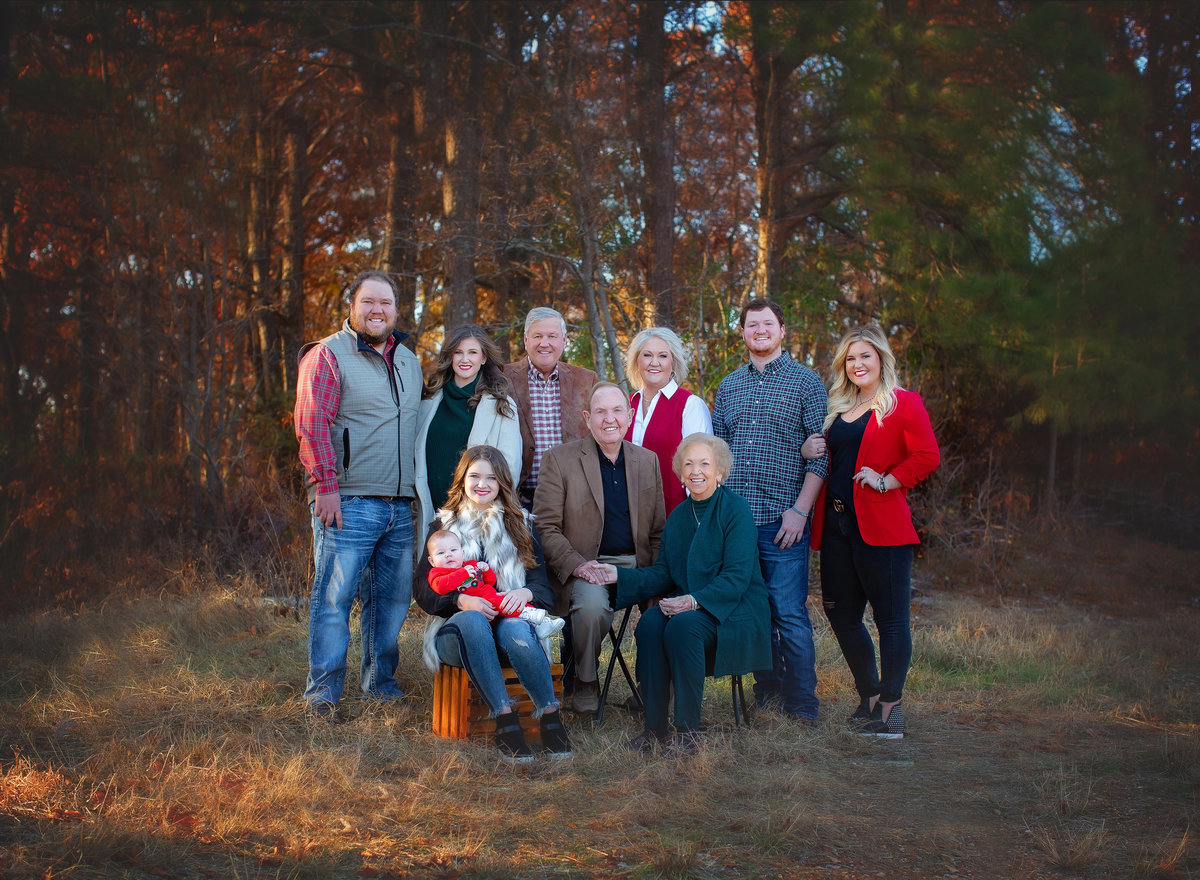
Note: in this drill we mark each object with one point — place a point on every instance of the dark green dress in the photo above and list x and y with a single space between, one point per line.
716 561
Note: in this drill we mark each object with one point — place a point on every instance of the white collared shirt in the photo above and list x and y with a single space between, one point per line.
696 418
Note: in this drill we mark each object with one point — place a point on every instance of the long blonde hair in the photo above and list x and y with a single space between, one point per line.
843 394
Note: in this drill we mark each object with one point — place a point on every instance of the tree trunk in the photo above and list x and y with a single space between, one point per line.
1052 468
515 188
460 188
656 142
400 232
769 76
262 318
589 251
291 303
12 322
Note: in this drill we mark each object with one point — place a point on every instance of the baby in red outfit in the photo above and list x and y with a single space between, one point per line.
449 573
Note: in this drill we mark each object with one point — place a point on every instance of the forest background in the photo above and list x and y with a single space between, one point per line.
1010 189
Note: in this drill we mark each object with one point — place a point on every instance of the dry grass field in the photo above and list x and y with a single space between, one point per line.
1053 733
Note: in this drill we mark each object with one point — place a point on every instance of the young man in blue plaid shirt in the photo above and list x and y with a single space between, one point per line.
764 411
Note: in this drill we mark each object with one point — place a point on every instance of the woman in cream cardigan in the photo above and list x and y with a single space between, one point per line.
466 404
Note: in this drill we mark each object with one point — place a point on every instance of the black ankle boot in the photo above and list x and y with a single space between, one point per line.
510 739
554 735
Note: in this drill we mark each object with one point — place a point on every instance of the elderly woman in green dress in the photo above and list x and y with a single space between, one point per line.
713 617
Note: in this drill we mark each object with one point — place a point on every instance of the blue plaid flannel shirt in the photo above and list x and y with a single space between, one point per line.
765 417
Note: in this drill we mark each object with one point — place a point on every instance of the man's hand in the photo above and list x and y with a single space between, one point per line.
328 509
791 530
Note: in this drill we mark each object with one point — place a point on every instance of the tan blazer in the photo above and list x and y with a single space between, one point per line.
568 508
574 383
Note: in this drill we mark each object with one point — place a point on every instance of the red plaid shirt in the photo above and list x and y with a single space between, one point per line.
318 397
545 409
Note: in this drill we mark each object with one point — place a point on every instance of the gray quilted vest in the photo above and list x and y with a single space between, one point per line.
374 433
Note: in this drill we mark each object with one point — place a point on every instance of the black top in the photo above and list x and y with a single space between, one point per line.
844 440
617 539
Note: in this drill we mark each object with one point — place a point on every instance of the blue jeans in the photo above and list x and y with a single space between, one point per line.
854 573
469 641
375 540
793 676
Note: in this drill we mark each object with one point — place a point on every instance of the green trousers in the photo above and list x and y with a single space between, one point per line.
674 650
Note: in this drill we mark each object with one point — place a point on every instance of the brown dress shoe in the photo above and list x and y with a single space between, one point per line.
587 697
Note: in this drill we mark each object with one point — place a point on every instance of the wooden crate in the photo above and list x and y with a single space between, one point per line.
459 712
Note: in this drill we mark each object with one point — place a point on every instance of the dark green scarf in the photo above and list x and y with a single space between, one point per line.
447 438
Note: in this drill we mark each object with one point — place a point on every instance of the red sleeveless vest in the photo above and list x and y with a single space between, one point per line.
663 433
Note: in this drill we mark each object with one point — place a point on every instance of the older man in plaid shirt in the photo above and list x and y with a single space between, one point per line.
764 411
356 413
551 395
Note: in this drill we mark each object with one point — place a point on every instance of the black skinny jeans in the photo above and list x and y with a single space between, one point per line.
854 573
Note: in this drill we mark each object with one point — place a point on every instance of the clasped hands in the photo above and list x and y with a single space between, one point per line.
597 572
677 605
602 573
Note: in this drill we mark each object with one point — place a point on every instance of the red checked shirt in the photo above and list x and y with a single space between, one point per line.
545 410
318 397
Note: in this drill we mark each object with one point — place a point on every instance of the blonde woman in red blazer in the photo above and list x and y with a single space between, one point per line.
880 444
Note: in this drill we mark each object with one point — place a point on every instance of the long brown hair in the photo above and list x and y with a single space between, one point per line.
491 377
514 516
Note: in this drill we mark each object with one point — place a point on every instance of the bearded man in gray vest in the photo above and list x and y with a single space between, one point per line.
356 414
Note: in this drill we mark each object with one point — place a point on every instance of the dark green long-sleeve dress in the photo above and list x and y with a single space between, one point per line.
716 561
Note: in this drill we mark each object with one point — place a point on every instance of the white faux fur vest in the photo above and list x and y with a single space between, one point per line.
483 537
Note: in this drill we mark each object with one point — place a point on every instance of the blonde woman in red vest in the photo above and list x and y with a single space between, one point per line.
663 412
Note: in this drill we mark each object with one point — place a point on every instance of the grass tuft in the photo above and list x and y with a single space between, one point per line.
1170 859
1073 847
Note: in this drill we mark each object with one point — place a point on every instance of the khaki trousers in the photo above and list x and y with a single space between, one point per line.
591 617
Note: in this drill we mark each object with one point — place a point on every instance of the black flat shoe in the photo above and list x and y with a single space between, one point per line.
685 744
646 741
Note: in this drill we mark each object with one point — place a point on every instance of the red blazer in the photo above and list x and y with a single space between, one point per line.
904 446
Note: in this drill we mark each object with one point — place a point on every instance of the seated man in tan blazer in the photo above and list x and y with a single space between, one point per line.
550 394
598 500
